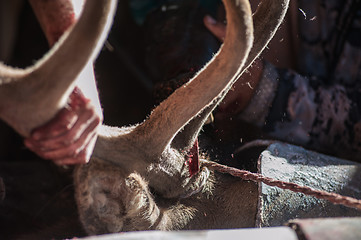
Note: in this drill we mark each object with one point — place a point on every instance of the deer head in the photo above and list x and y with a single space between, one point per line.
30 97
113 189
158 148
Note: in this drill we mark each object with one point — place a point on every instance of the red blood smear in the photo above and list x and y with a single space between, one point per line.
58 16
193 159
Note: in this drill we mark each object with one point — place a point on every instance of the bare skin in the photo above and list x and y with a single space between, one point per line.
69 137
41 91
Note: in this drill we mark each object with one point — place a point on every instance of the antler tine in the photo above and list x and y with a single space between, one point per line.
173 114
49 82
267 19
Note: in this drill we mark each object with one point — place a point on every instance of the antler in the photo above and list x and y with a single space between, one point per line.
267 19
153 137
189 100
41 90
134 147
147 149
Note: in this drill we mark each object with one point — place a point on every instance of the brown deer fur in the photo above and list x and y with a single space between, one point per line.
137 178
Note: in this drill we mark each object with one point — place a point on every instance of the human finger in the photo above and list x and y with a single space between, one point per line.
217 28
71 150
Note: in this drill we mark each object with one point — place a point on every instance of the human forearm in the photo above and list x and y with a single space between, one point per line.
70 136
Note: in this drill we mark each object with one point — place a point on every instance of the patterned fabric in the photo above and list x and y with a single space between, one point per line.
319 108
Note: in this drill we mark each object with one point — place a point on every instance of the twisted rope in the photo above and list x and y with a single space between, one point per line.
255 177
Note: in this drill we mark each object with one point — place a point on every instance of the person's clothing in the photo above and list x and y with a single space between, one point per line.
319 108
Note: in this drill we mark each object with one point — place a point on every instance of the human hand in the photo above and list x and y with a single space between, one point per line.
69 137
217 28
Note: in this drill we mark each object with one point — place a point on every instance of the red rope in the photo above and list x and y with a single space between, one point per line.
255 177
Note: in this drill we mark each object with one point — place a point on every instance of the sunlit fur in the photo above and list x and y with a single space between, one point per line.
138 178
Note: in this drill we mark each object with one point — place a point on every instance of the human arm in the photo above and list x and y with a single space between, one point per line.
70 136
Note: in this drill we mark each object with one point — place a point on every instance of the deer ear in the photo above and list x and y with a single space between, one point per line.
39 91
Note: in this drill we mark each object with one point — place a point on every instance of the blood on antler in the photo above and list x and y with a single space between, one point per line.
113 190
